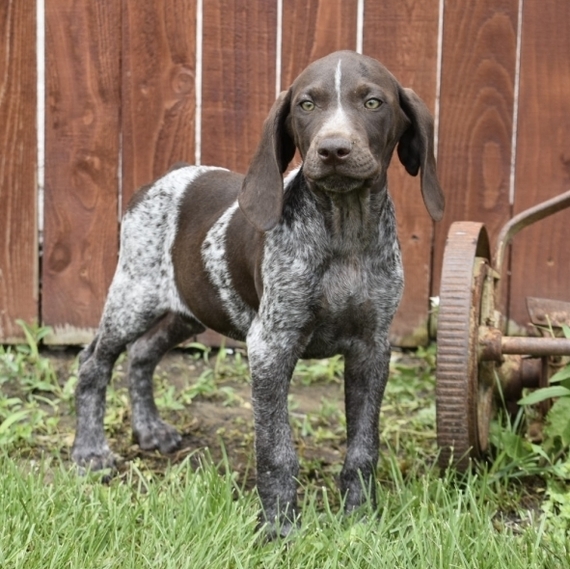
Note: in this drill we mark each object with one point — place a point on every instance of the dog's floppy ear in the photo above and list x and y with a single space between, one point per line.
261 195
416 151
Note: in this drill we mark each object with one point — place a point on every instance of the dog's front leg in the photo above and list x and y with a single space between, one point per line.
366 373
272 358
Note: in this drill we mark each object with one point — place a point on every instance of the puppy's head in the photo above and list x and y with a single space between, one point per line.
345 113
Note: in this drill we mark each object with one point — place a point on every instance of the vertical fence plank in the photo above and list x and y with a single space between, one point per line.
477 95
18 212
313 29
310 30
159 102
239 78
238 86
540 264
403 36
82 150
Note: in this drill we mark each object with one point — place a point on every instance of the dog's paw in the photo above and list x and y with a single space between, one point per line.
279 525
273 531
90 459
157 435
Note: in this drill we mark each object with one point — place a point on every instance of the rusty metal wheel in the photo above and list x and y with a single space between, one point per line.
463 394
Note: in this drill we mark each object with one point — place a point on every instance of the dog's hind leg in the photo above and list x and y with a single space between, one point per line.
129 312
149 430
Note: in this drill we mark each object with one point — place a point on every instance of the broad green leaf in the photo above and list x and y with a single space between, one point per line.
11 419
545 393
558 420
564 373
29 338
515 446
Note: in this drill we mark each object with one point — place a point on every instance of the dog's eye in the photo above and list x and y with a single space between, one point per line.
307 105
372 103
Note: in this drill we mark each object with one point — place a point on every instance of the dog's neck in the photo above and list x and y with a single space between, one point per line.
348 215
351 219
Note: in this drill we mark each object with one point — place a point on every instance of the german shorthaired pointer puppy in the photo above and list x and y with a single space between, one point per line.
306 267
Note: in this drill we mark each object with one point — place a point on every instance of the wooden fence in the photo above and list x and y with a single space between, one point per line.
132 86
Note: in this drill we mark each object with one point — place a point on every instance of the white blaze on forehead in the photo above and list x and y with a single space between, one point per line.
338 123
337 79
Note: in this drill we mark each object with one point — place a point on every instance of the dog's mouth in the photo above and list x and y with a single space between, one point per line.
340 181
352 175
338 184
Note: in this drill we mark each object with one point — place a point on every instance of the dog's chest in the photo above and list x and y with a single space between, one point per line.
346 261
339 289
366 285
346 284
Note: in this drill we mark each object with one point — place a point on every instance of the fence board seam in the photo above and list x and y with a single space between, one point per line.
278 47
438 72
40 116
198 84
516 108
359 26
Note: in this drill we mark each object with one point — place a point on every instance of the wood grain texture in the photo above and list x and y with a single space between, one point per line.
238 86
159 95
313 29
477 94
18 212
403 36
540 264
82 157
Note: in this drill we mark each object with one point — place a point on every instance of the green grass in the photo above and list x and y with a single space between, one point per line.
197 518
513 512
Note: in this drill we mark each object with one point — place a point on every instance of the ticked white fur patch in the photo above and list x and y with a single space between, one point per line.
145 271
214 255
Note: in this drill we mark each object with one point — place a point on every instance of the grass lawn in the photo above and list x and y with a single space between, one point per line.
198 507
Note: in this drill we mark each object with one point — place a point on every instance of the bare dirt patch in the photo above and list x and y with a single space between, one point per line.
209 402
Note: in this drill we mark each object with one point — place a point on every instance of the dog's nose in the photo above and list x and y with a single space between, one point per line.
334 150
